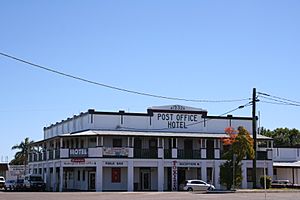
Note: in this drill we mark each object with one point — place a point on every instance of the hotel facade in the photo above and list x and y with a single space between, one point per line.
153 151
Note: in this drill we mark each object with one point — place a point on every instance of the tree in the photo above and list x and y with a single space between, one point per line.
21 157
240 145
283 137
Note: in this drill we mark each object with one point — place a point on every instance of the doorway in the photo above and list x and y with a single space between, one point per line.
181 177
92 181
146 179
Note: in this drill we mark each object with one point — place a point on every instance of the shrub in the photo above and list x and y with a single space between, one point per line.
268 181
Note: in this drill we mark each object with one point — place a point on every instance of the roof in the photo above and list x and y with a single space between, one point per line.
155 133
147 134
295 164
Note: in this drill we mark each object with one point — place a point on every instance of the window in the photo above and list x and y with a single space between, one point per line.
249 175
199 173
83 175
274 171
92 142
209 172
117 142
78 176
174 143
116 175
152 144
76 143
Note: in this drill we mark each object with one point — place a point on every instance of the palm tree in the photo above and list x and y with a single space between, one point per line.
21 157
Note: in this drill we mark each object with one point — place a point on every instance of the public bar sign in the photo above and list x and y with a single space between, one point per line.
78 153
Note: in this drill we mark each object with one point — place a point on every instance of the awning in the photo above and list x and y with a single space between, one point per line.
147 134
295 164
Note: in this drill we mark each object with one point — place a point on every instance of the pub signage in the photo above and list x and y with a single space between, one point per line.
78 153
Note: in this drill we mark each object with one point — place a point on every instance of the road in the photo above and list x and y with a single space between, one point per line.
144 196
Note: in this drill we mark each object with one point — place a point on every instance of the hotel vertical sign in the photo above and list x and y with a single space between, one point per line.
174 176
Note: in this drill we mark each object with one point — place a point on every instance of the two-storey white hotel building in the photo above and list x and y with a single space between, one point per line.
157 150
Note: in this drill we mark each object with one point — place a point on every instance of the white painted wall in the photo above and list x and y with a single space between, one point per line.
138 122
155 123
286 154
106 122
108 185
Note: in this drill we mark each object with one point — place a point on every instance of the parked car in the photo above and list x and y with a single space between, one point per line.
2 182
281 184
197 185
34 182
9 185
19 185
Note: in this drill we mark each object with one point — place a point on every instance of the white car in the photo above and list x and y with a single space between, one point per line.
197 185
10 184
2 182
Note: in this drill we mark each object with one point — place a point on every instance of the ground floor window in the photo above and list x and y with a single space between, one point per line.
249 175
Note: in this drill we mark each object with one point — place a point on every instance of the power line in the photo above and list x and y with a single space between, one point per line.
278 101
118 88
276 97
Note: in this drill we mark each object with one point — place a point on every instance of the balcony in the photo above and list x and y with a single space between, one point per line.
145 153
115 152
50 153
40 156
188 154
167 153
57 154
262 155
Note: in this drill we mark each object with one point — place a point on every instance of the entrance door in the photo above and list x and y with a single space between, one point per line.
92 180
181 177
146 179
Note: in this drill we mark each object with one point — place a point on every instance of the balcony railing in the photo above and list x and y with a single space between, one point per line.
262 155
188 154
57 154
40 156
115 152
145 153
50 152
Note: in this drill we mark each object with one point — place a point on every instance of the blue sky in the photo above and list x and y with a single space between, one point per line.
191 49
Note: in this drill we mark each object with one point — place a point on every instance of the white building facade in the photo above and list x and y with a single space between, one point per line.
286 164
153 151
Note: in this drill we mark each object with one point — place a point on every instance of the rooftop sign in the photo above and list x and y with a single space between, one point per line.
177 108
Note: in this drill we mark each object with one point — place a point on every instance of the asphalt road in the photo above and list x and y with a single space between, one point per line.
144 196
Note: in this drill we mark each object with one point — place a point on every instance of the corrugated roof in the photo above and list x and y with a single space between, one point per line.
147 134
155 133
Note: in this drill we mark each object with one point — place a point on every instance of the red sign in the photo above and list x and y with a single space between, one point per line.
78 160
116 175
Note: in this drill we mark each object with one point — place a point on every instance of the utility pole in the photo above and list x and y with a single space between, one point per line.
254 135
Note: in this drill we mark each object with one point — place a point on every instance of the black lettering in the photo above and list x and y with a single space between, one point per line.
158 116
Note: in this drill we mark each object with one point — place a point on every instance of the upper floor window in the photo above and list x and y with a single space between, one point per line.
117 142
